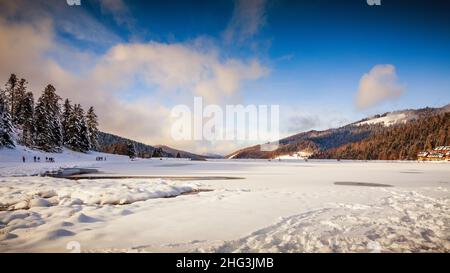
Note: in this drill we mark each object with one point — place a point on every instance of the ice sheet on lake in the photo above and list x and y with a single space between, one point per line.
45 214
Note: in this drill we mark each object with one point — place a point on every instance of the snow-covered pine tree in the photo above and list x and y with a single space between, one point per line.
6 128
10 94
71 131
65 121
48 135
92 125
85 143
19 95
77 131
27 115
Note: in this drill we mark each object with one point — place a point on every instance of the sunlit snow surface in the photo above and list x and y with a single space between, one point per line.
389 119
278 206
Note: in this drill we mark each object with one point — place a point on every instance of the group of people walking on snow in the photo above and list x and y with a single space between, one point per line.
38 159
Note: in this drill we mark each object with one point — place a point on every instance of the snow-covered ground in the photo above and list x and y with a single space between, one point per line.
11 160
277 206
389 119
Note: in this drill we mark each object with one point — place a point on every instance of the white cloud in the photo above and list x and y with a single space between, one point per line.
247 19
162 70
175 67
379 85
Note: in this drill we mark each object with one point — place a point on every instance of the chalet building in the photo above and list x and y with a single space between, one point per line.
439 153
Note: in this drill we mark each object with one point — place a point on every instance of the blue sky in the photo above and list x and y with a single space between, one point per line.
316 50
307 56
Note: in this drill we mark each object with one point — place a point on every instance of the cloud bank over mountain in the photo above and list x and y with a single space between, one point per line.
129 84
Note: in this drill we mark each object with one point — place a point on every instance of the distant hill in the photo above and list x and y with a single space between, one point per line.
377 137
113 144
213 155
183 154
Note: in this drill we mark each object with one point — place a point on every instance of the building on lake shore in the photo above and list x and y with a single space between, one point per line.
440 153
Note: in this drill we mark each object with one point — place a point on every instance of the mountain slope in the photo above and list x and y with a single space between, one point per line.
113 144
318 143
309 142
401 141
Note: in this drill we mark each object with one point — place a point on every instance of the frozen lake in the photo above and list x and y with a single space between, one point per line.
287 206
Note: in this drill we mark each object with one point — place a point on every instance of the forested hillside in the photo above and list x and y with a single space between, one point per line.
400 141
393 135
112 144
109 143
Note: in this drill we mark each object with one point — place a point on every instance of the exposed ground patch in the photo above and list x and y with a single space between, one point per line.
360 184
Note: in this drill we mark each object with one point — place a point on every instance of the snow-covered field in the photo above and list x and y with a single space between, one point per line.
11 160
276 206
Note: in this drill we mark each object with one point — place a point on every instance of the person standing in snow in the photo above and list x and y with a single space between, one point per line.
23 159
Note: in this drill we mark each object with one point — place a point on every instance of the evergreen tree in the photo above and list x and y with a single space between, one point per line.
92 124
10 93
85 143
45 126
6 128
48 135
178 155
27 115
131 150
19 96
77 131
67 112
